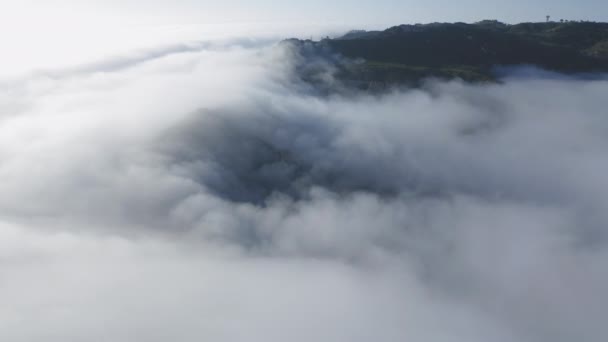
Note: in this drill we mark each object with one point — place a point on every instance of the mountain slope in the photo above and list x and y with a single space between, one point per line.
409 53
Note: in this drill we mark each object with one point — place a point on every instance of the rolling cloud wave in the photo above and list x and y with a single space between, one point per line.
213 195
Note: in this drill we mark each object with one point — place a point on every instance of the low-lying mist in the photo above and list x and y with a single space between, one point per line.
208 193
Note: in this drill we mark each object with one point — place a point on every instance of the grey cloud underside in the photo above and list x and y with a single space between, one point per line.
220 197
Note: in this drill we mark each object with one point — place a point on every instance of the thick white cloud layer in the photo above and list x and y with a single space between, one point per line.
204 193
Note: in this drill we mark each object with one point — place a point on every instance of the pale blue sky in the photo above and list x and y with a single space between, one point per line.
351 12
400 11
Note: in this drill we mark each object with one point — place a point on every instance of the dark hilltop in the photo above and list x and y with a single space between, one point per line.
406 54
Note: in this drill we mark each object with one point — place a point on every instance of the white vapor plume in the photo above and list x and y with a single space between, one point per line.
204 192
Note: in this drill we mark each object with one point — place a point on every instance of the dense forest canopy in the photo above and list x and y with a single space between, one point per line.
470 52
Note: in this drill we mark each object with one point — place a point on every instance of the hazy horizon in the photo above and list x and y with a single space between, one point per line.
68 32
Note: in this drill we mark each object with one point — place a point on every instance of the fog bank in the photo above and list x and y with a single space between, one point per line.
207 193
